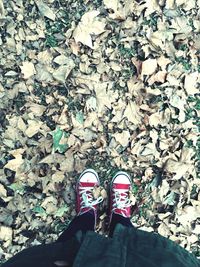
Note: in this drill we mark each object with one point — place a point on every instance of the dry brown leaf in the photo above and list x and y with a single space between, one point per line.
33 127
135 86
28 69
6 233
63 71
179 168
58 177
21 124
188 214
2 10
120 11
190 83
45 57
162 118
132 113
15 164
37 109
122 138
104 97
151 7
96 192
164 230
3 191
74 47
45 10
115 66
163 62
157 77
61 60
88 25
138 64
196 229
149 66
104 194
67 165
132 198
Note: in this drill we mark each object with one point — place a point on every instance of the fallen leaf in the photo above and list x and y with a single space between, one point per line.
62 60
132 113
6 233
63 71
3 191
188 214
45 10
122 138
2 10
190 83
61 211
88 26
21 124
158 77
58 177
33 127
104 194
179 168
120 12
58 145
28 69
149 66
104 96
14 164
37 109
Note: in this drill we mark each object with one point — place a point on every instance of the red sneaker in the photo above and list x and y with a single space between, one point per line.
119 195
85 200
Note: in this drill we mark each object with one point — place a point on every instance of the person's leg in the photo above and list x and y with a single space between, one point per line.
116 218
120 203
84 222
86 206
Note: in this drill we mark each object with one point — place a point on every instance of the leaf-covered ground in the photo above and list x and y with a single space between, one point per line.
103 84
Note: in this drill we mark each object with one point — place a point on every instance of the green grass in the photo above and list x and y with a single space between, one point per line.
191 113
126 52
151 21
185 62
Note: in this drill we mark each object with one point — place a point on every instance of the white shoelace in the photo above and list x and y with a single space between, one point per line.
87 198
121 201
